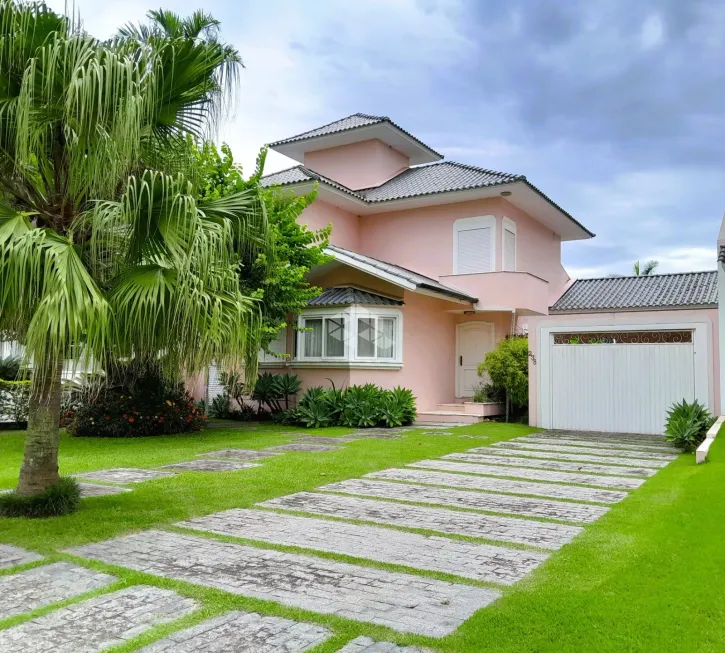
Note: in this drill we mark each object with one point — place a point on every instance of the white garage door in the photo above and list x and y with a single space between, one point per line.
619 381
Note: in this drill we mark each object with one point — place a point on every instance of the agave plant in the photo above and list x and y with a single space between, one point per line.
105 253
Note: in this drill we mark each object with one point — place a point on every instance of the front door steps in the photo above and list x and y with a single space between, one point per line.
465 412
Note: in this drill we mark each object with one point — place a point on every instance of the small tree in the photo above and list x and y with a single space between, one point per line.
282 287
508 368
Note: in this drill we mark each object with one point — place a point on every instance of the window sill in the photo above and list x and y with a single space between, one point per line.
358 365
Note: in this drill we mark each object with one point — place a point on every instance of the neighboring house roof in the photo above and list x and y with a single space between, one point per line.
657 291
420 181
406 277
354 122
347 296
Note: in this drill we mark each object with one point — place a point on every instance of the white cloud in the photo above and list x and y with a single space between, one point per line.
302 58
652 33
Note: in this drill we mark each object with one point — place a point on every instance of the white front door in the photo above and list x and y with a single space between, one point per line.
473 341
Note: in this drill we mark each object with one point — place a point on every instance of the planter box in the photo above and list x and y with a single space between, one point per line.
488 409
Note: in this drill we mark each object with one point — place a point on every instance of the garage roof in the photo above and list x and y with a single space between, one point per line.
680 290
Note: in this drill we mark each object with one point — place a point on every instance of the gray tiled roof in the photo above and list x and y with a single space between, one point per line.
429 179
721 254
441 177
655 291
421 281
351 122
347 296
355 121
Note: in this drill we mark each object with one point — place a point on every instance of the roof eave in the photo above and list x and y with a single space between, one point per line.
630 309
384 130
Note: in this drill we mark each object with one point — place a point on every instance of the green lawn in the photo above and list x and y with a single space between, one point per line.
649 576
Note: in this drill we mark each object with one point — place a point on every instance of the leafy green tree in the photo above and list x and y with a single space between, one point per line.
508 368
279 284
645 270
106 250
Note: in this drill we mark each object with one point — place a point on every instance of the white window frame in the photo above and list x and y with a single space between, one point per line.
351 358
509 225
280 342
467 224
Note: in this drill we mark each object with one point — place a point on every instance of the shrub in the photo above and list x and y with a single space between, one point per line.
357 407
10 368
14 397
137 402
488 393
57 500
286 417
687 424
219 406
508 368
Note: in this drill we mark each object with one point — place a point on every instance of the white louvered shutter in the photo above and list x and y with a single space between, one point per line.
509 250
474 250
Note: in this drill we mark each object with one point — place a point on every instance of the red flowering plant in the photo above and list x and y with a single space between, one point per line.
137 405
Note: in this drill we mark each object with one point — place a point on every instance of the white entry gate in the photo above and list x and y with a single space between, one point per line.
619 381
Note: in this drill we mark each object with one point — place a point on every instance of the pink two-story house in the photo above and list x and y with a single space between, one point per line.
434 261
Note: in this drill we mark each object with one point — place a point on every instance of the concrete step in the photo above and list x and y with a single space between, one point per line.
447 417
470 408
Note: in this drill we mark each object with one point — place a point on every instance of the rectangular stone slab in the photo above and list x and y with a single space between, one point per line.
208 465
614 445
243 632
97 624
592 451
321 439
492 484
504 503
240 454
505 529
548 455
41 586
607 437
310 448
367 645
400 601
478 561
96 490
124 475
557 465
12 555
531 474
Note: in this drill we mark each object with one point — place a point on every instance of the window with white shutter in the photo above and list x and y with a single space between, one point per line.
509 245
474 245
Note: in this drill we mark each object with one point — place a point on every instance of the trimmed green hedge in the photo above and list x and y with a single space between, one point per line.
14 397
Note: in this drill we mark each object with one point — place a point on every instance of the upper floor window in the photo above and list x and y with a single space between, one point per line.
353 334
508 246
474 245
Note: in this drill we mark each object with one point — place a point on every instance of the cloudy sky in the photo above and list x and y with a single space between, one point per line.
614 108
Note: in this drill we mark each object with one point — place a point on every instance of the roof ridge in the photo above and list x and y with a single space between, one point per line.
332 122
364 115
488 171
643 276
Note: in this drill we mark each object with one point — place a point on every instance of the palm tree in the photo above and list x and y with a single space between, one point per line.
105 253
646 270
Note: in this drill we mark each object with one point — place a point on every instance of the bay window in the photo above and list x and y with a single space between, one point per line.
351 335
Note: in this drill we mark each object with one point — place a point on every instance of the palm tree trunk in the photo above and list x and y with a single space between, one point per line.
39 470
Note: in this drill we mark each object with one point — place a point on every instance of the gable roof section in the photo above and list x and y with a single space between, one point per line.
337 133
403 276
658 291
443 177
347 296
424 181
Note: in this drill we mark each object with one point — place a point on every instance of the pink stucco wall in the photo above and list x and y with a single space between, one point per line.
709 316
422 239
358 165
345 225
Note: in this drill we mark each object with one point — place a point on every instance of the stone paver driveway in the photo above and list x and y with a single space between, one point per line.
485 518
